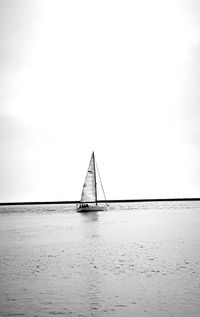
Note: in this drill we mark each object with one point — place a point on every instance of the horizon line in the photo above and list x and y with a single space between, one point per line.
100 201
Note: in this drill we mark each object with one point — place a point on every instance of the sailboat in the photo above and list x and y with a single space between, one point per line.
89 200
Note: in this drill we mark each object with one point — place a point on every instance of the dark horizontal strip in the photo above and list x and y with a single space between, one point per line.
100 201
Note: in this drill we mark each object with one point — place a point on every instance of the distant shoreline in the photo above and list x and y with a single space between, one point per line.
100 201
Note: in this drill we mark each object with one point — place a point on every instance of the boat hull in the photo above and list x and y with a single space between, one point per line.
91 208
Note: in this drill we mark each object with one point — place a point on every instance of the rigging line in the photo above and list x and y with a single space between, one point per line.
101 184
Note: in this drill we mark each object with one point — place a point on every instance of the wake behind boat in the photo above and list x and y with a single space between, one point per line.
89 200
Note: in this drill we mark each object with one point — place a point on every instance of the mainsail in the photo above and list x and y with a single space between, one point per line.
89 193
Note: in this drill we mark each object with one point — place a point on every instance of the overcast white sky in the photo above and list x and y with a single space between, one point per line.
117 77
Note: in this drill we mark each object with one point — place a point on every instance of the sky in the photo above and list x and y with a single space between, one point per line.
116 77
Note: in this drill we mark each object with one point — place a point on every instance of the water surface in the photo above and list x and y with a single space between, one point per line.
138 259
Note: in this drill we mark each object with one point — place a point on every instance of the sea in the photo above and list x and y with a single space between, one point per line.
137 259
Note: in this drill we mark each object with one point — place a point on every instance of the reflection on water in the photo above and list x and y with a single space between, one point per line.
89 216
134 262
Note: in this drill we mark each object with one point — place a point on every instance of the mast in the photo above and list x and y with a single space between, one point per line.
95 181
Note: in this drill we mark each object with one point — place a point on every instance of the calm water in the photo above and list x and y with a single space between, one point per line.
134 260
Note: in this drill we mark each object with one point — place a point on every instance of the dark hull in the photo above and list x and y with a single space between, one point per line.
91 208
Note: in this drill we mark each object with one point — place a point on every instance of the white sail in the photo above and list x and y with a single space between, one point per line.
89 187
